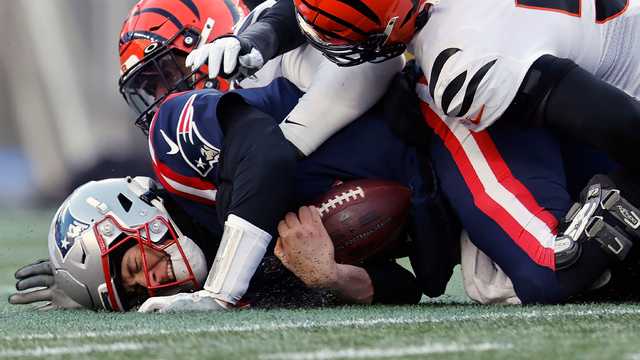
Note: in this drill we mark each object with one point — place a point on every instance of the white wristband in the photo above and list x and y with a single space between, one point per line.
242 248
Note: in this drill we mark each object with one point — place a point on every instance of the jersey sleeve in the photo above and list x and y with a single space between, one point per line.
334 96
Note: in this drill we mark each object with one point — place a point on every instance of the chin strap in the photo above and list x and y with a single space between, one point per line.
242 248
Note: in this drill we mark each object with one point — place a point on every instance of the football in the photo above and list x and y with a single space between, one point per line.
364 218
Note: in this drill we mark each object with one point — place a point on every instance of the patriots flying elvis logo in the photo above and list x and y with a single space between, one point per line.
67 230
195 150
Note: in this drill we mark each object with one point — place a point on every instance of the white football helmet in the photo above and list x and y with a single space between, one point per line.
97 223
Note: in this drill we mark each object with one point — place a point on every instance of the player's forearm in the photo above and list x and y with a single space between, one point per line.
276 32
359 88
352 284
256 177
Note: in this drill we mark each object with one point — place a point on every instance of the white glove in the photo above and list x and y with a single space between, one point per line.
226 51
36 283
197 301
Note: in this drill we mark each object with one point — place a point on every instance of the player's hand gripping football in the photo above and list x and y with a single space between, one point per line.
37 284
202 300
305 248
233 55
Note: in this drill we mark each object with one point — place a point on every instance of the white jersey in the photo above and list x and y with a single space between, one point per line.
475 54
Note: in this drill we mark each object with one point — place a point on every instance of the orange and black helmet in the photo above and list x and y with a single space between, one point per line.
156 38
350 32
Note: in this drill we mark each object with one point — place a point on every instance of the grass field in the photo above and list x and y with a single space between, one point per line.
448 328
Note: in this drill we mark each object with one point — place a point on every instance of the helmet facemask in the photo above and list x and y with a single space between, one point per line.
96 226
160 73
344 52
158 235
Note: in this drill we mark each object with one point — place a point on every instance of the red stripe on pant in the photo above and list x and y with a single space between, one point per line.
524 239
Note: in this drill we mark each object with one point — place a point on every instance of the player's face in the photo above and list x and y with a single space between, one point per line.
132 270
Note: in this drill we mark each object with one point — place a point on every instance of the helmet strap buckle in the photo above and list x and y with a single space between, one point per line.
388 30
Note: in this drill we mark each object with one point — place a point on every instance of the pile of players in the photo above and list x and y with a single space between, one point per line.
514 126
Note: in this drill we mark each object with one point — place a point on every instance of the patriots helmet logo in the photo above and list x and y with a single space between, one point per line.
67 230
196 151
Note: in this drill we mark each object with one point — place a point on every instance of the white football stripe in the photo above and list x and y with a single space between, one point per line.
307 324
494 189
42 351
497 192
205 194
365 353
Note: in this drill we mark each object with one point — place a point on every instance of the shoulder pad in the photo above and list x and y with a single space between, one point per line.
185 141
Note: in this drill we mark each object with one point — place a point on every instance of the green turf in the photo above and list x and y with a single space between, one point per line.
449 328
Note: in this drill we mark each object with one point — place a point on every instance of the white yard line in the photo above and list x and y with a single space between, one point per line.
365 353
309 324
42 351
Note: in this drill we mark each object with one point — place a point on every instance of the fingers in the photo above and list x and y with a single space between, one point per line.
252 60
305 215
189 61
35 281
46 306
315 215
309 214
282 228
223 52
40 267
231 53
30 297
278 251
215 54
291 220
152 304
197 57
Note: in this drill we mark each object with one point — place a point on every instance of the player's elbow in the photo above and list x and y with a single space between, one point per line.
275 153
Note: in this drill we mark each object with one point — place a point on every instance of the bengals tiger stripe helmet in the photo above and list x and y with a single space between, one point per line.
350 32
154 41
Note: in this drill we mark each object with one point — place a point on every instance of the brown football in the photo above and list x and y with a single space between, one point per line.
365 218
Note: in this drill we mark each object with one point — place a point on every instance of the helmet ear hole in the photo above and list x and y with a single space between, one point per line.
125 202
83 258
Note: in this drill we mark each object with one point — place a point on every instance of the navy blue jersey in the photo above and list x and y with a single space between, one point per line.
185 141
185 137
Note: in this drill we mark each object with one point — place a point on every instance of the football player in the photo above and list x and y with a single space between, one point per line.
251 211
511 198
113 243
